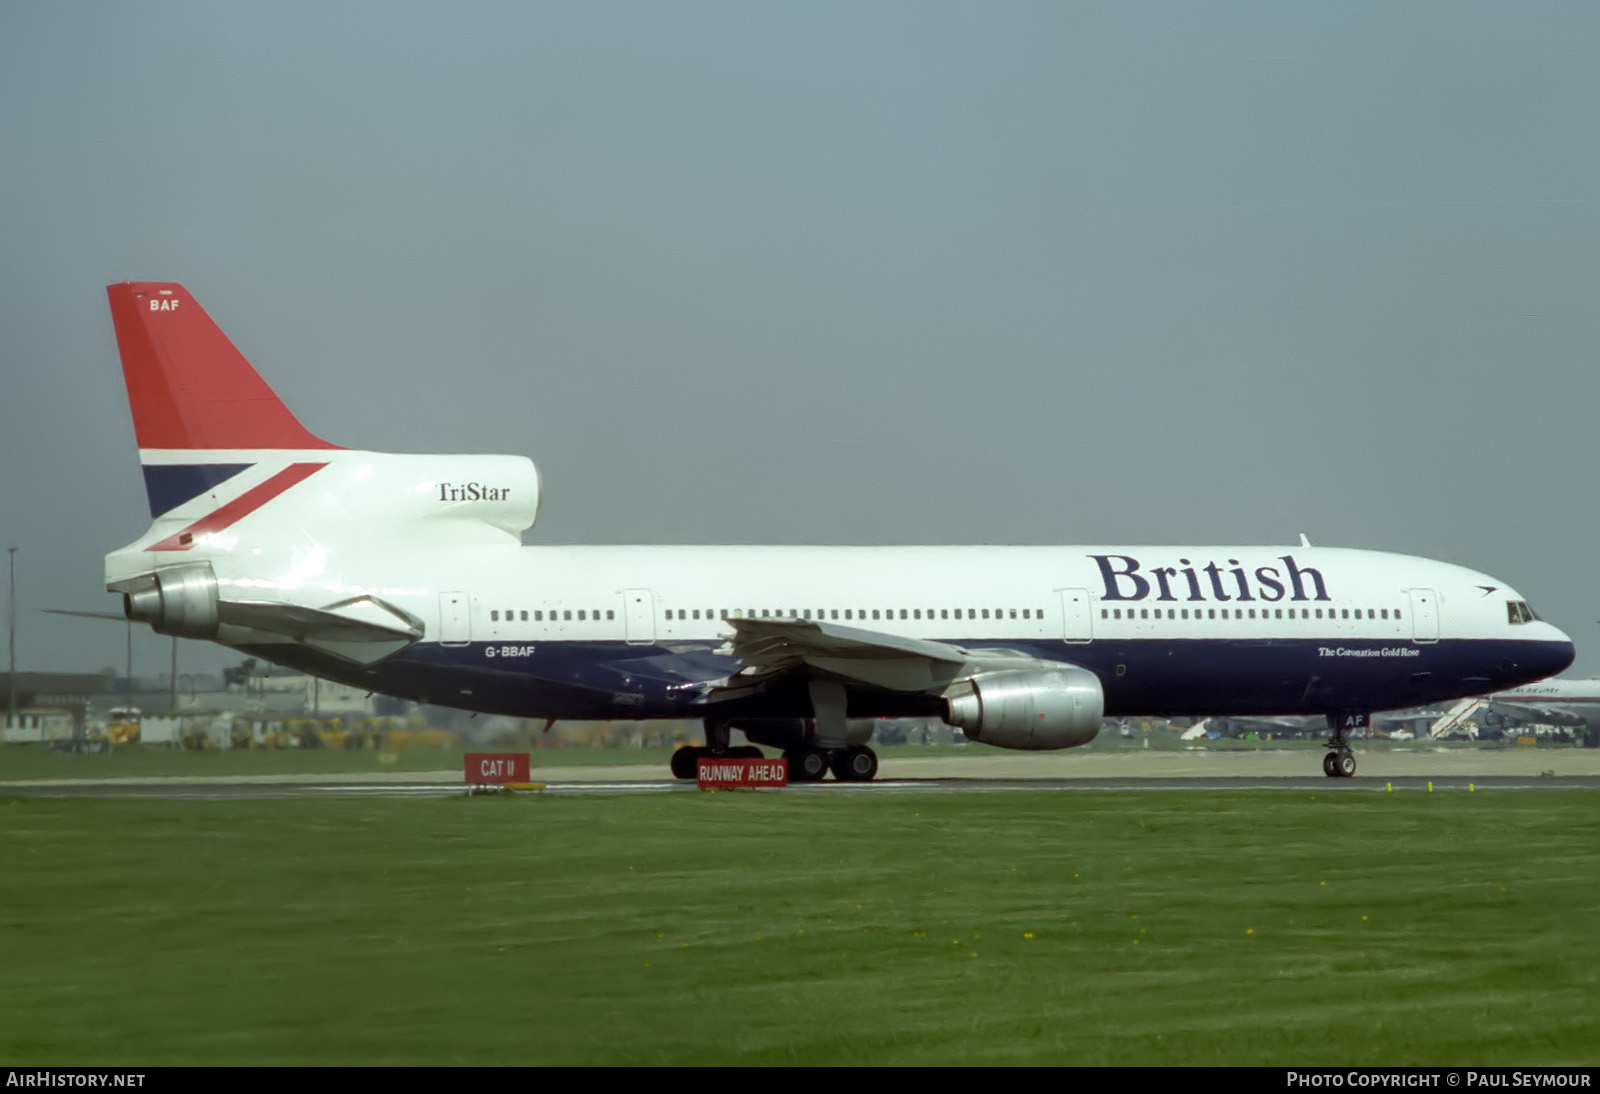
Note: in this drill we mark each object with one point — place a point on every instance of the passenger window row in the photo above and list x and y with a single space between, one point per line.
564 615
1250 613
852 614
557 615
1517 611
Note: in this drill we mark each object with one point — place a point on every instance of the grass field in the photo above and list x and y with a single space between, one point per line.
1177 927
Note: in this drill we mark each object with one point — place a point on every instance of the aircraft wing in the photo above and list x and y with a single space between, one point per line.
773 648
1555 714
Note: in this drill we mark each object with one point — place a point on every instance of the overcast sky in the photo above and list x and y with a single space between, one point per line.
834 273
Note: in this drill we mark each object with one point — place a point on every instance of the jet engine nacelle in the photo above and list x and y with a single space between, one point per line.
1033 709
181 600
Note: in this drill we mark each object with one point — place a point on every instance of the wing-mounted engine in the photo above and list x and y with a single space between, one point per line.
1053 706
185 601
1006 698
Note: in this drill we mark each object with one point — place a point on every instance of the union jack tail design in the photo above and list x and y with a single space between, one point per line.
216 443
234 479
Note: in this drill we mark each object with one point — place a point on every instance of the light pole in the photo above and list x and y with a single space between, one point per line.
11 627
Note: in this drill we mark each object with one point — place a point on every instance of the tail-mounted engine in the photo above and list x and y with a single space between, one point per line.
1033 709
180 600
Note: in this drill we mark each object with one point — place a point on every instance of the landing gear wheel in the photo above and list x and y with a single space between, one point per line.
745 752
806 765
1339 762
685 762
857 764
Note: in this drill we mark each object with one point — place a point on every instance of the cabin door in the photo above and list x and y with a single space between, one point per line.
638 608
455 619
1424 615
1076 625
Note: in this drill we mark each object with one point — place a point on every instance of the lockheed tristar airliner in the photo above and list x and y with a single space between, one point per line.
407 575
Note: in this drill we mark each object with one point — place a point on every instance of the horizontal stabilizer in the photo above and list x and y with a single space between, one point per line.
107 616
360 620
363 629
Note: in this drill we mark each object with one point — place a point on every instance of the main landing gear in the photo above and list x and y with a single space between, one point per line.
686 760
808 763
830 749
1339 762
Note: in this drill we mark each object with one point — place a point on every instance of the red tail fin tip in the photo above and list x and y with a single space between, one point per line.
188 386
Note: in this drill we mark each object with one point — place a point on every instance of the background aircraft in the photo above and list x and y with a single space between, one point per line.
1560 701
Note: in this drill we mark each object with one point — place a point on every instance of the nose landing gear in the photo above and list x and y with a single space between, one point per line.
686 760
1339 762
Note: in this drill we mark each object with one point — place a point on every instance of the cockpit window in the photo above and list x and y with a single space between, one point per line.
1517 611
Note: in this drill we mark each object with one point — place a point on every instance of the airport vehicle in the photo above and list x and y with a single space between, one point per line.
406 574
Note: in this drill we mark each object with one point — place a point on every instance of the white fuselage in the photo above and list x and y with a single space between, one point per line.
549 631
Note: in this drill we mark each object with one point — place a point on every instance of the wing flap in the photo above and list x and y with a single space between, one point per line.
756 639
771 648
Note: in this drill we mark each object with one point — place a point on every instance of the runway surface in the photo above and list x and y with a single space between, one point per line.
1086 771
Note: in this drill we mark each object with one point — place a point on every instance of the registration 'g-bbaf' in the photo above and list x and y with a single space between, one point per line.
406 574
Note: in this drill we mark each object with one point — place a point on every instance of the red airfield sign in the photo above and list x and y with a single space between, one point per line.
484 768
717 771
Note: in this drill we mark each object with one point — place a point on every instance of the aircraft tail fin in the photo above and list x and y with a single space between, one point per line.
189 387
224 459
199 409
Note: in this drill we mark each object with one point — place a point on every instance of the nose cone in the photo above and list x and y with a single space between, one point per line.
1549 655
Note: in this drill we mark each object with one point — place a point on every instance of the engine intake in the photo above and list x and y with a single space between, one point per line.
180 601
1030 709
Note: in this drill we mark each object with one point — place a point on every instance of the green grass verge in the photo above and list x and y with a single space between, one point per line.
1178 927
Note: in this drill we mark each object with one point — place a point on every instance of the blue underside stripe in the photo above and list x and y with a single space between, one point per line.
1186 677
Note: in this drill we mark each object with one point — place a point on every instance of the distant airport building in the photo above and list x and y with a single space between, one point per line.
49 703
55 705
